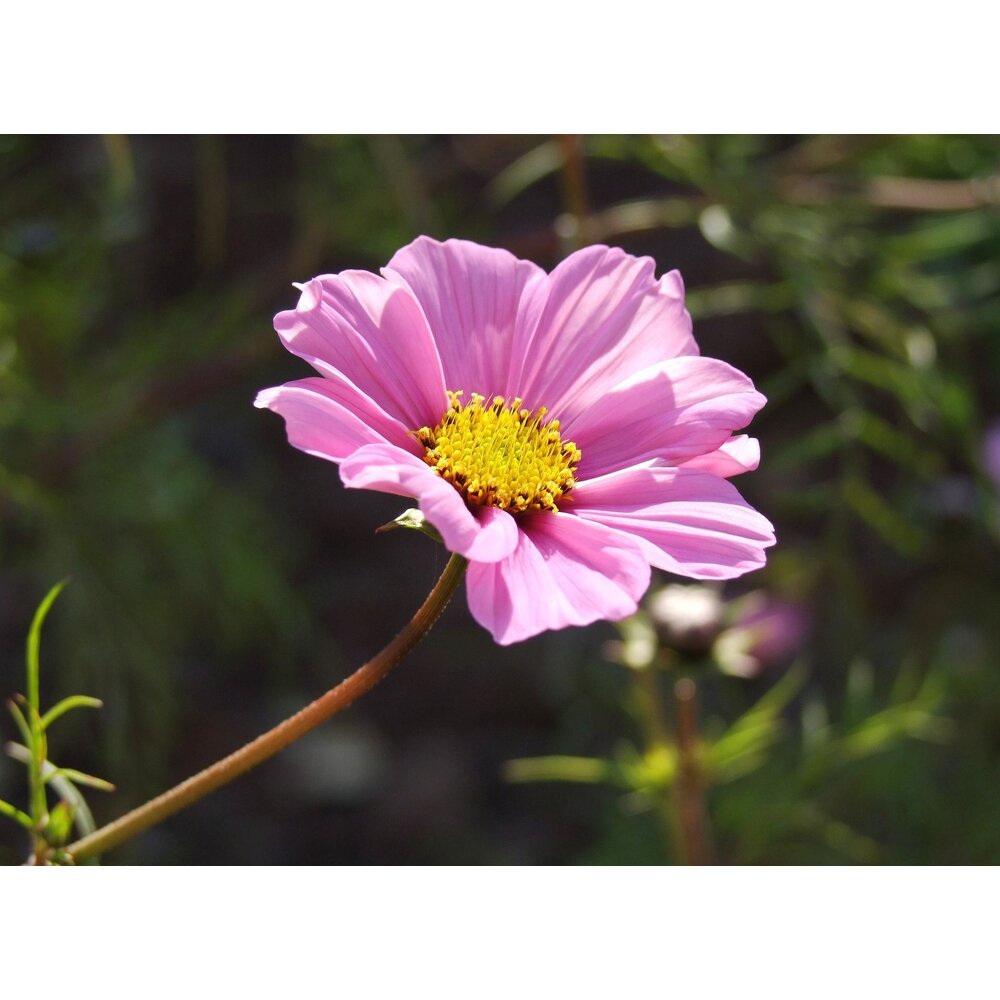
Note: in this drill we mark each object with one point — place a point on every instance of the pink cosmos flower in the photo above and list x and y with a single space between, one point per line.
559 430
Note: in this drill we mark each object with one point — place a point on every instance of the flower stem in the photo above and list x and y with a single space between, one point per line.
693 839
574 178
267 745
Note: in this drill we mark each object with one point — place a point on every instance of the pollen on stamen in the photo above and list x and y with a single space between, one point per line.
501 454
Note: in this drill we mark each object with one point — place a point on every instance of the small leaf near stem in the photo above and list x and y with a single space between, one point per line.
35 641
22 722
12 812
68 704
79 778
413 519
62 780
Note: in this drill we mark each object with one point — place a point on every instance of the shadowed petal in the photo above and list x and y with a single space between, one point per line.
486 535
471 296
565 571
686 521
373 332
331 418
601 317
674 411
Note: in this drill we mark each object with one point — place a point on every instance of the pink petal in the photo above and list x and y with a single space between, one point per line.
602 316
739 454
332 418
565 571
471 296
487 535
686 521
674 411
363 327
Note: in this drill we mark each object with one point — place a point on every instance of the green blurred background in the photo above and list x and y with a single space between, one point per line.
220 578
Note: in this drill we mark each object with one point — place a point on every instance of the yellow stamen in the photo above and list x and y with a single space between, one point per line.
501 455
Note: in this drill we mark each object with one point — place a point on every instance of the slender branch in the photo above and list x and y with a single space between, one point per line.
335 700
574 179
693 838
915 194
38 746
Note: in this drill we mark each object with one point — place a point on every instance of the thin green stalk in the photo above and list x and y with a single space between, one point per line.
658 741
574 179
38 744
271 742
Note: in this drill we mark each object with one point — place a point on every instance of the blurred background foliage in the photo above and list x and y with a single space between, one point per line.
221 578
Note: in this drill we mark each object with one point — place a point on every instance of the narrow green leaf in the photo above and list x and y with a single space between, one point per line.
78 778
584 770
818 443
538 162
12 812
22 722
35 639
643 215
738 297
68 704
741 748
883 437
63 786
884 518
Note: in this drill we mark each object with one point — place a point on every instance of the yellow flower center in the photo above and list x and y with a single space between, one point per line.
501 455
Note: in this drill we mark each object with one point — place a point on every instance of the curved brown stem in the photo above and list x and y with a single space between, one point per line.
267 745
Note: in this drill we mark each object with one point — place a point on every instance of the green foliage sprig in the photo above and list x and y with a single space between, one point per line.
50 829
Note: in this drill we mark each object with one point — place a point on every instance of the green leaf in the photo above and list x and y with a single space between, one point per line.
77 778
883 517
22 722
583 770
82 816
35 639
61 780
817 443
60 824
413 519
742 747
736 297
881 436
12 812
68 704
540 161
891 725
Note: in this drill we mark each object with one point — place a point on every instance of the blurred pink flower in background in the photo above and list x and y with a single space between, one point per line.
991 453
762 632
559 430
742 636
